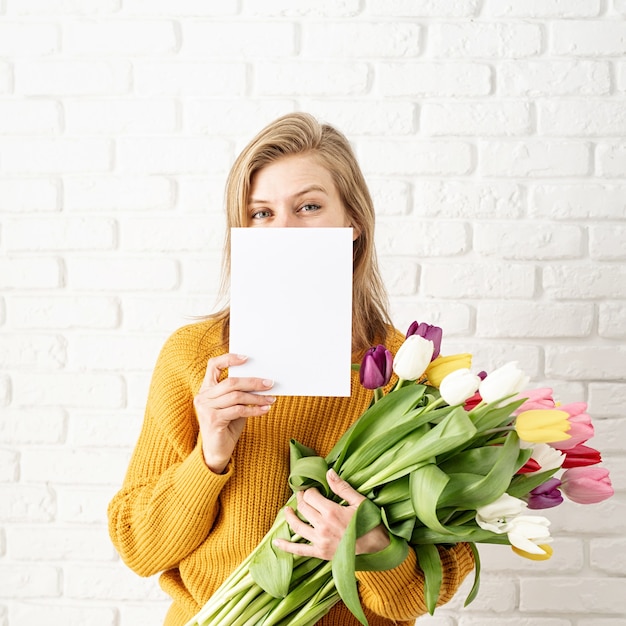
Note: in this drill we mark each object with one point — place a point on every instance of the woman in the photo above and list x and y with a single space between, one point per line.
209 472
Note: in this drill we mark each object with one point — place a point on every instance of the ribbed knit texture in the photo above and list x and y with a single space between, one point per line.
173 515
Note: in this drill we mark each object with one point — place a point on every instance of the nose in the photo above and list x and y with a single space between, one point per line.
285 219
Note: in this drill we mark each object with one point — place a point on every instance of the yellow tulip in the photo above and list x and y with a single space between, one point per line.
548 551
443 365
543 425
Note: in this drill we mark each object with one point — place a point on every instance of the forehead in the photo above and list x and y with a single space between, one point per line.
293 171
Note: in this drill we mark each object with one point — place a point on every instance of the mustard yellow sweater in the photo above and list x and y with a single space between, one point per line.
173 515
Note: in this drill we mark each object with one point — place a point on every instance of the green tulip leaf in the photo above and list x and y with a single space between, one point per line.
308 472
475 587
427 484
430 563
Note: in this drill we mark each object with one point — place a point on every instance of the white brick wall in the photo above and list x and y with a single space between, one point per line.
493 136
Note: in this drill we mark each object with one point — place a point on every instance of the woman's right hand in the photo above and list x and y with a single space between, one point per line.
222 408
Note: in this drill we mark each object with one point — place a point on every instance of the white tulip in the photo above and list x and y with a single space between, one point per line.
548 457
497 515
503 382
458 386
527 531
413 357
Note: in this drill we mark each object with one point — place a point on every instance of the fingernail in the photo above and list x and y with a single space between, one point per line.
243 357
270 399
332 474
268 383
265 407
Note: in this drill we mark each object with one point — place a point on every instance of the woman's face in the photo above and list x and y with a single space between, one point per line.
295 191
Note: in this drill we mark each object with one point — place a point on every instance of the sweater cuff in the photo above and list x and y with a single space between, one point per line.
197 487
390 582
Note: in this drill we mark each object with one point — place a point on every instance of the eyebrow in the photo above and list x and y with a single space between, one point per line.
299 194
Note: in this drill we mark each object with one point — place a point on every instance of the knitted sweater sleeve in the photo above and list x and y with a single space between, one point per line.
169 499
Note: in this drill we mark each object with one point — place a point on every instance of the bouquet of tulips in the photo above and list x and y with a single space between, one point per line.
445 456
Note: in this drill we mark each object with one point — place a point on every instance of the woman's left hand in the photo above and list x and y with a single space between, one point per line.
327 522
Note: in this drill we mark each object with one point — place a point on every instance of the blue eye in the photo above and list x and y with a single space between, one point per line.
310 207
257 215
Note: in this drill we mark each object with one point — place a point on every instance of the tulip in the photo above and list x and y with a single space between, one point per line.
444 365
529 532
547 552
496 516
581 456
581 427
413 357
542 426
530 467
472 402
458 386
503 382
587 485
376 367
545 496
432 333
535 399
547 457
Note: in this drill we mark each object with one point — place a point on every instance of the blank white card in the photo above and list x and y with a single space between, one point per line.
291 308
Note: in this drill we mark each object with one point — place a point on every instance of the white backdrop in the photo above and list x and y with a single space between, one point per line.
492 133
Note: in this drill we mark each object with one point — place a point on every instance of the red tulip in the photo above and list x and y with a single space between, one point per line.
581 456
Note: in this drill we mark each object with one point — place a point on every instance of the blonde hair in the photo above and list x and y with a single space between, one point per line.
301 133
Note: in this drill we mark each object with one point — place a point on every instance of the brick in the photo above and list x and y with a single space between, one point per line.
122 274
473 200
519 621
302 8
423 8
32 426
170 234
83 504
366 117
358 40
611 159
167 155
595 362
542 8
534 159
580 595
455 319
163 313
62 312
120 37
620 5
27 38
311 78
9 466
63 7
68 389
400 277
184 8
477 280
137 384
64 614
60 233
585 282
486 40
64 465
612 320
201 274
231 117
554 78
432 79
28 195
112 352
609 432
620 72
528 241
29 117
109 430
240 40
125 117
578 201
32 351
497 595
412 158
72 77
146 614
574 118
607 243
108 582
390 197
118 193
476 118
55 155
202 194
30 581
608 554
588 38
27 503
6 77
420 239
176 78
601 621
29 273
607 399
534 319
5 390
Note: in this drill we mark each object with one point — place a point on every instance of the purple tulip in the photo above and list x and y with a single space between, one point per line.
376 367
546 495
432 333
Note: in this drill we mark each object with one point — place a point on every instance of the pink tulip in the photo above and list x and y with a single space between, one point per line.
536 399
581 427
587 485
